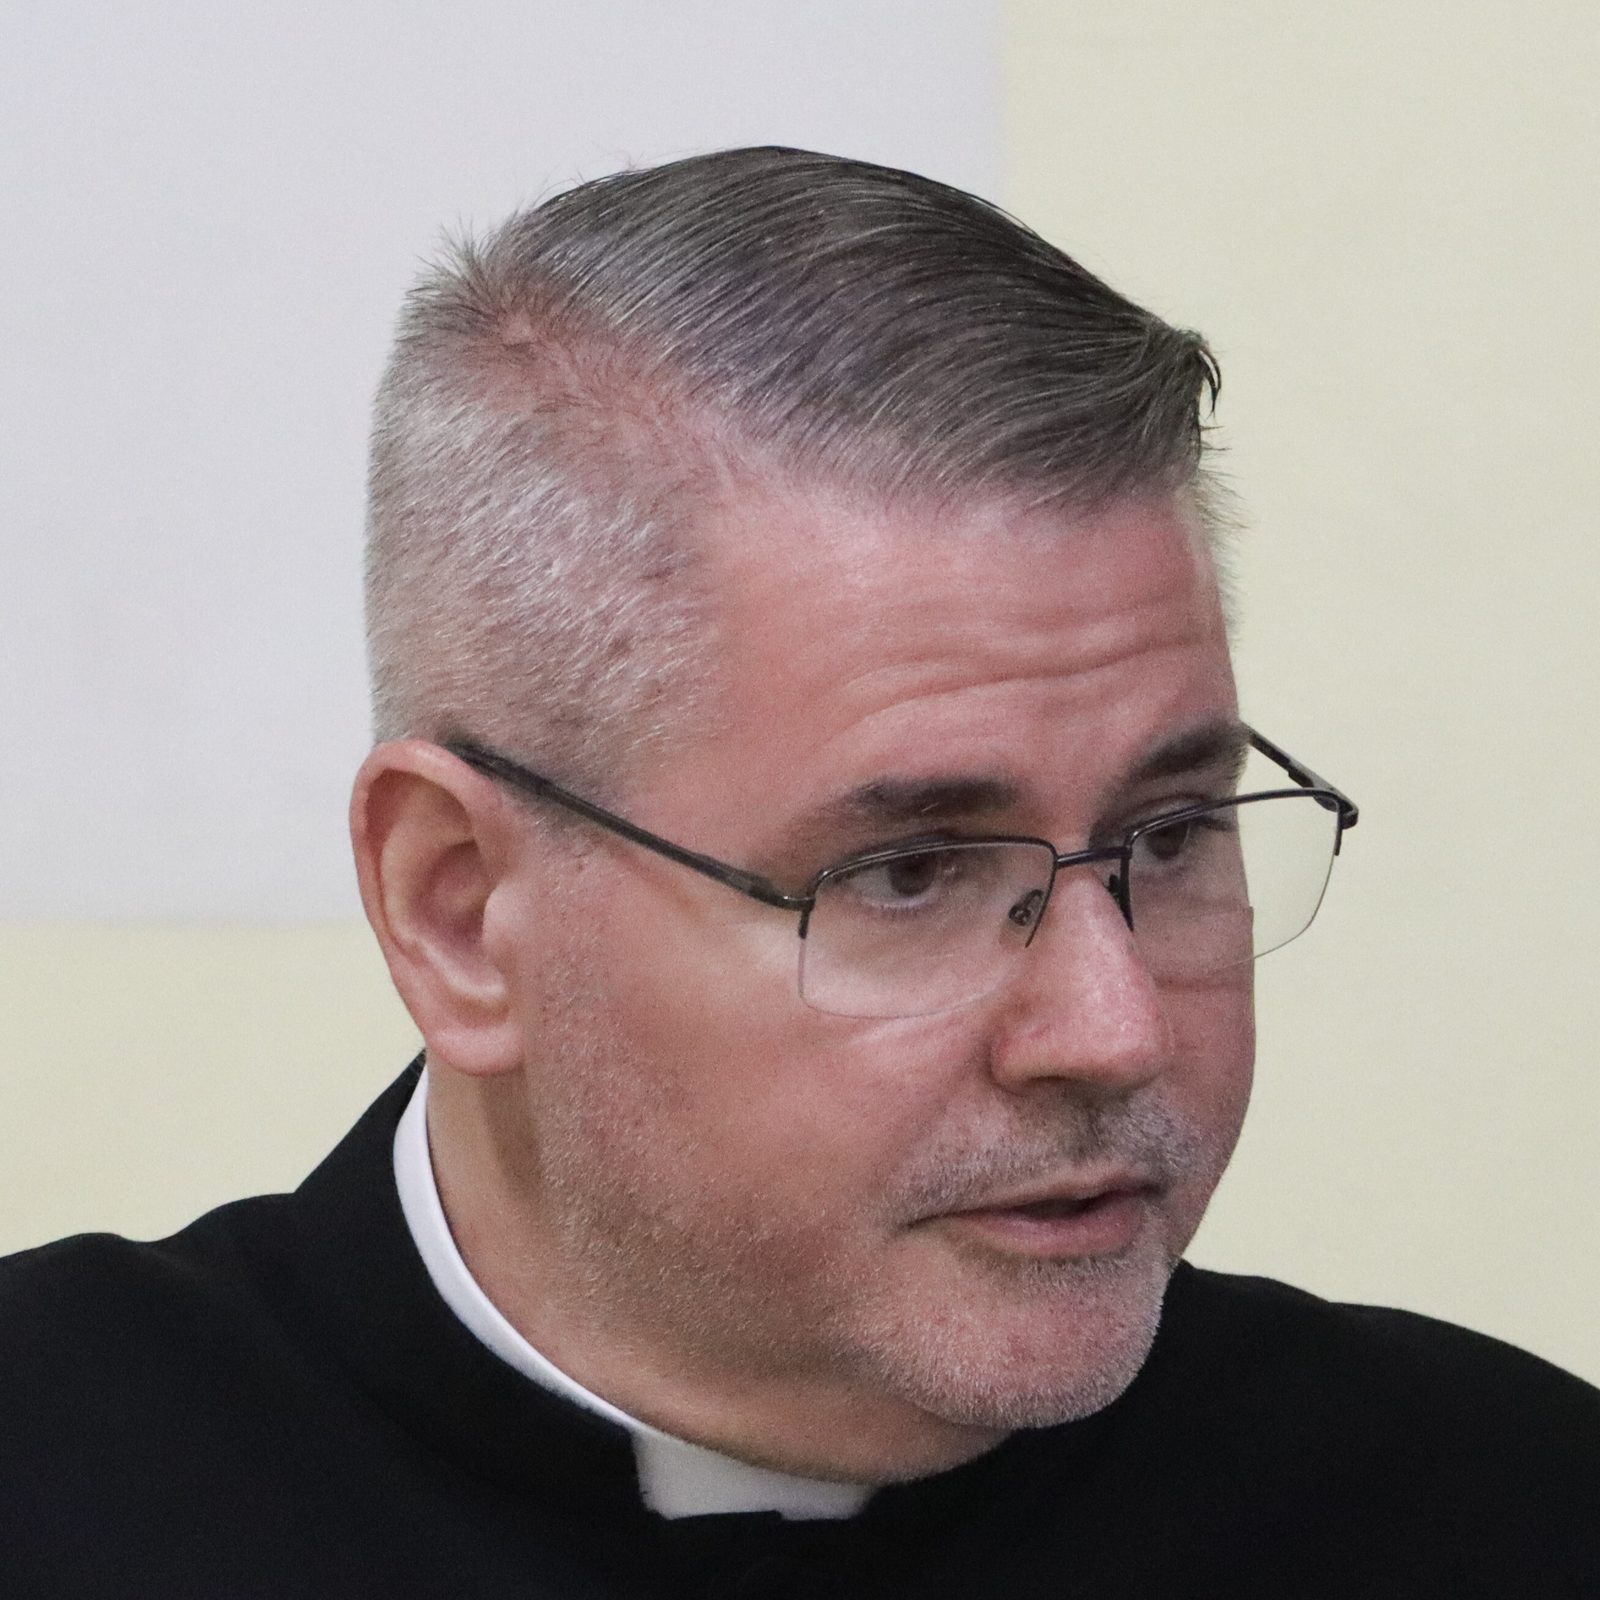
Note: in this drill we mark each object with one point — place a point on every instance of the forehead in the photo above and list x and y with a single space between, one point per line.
856 642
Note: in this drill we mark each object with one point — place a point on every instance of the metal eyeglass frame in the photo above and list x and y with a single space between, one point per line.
503 769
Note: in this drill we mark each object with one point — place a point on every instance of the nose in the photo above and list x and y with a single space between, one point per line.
1083 1005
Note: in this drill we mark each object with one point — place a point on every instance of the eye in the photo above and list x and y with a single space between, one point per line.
907 882
1168 844
947 892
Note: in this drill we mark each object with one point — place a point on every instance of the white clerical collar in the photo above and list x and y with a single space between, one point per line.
676 1478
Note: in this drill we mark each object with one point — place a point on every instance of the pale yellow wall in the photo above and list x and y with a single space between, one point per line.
151 1073
1384 215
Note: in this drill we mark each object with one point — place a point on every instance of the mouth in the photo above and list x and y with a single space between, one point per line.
1072 1221
1063 1205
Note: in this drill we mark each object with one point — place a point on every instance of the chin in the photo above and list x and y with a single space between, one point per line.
1053 1342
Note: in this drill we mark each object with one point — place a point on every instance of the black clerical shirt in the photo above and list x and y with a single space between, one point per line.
275 1402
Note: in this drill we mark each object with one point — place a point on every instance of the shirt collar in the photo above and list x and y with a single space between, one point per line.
676 1478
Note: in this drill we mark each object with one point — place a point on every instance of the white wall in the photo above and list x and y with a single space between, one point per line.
211 213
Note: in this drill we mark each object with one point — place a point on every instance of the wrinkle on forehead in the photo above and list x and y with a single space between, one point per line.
773 557
847 633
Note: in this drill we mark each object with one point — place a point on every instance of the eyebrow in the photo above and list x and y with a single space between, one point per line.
897 802
1224 744
889 803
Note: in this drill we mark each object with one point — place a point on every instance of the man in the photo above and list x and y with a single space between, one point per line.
814 832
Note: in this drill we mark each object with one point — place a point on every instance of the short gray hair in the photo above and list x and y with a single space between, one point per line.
567 395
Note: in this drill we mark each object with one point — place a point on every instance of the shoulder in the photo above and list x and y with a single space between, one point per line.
1388 1394
1287 1336
98 1326
101 1301
101 1271
1365 1449
140 1378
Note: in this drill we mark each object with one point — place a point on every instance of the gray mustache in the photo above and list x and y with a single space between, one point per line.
956 1174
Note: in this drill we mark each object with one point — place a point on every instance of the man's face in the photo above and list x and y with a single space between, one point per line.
886 1219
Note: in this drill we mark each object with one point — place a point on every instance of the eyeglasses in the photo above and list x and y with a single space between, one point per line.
917 928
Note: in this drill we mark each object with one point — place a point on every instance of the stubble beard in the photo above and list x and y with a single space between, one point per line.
1010 1350
664 1261
1027 1342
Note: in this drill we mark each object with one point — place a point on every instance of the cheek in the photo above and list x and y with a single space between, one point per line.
788 1109
1214 1034
1210 1079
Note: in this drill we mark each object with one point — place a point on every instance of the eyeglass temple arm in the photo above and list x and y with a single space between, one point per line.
519 777
1349 812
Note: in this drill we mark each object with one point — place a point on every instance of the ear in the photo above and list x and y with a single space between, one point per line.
434 841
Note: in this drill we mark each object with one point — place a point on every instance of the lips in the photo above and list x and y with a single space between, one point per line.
1080 1217
1068 1196
1064 1205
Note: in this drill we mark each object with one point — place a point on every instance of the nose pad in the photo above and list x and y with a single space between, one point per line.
1025 913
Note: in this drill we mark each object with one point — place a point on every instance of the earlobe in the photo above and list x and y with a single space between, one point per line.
431 848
